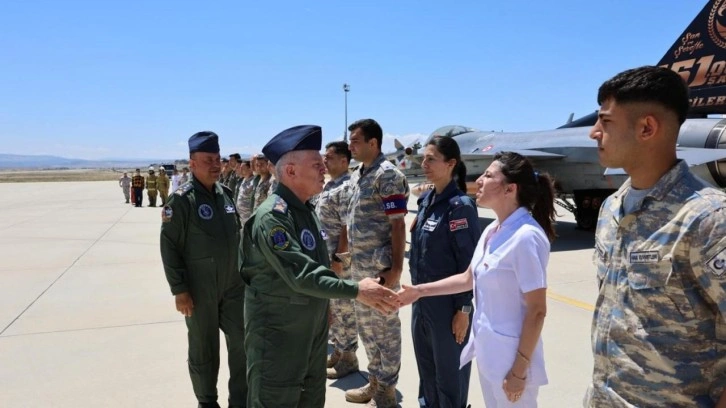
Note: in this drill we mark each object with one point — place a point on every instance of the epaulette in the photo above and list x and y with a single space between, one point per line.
280 205
184 188
386 165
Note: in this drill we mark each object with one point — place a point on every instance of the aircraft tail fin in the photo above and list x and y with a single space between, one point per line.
699 56
399 145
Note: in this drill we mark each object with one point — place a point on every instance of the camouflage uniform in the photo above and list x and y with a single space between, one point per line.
262 191
331 208
378 193
245 199
273 186
658 331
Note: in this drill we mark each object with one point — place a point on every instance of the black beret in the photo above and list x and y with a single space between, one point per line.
303 137
207 142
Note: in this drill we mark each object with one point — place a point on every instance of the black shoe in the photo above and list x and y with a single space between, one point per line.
208 405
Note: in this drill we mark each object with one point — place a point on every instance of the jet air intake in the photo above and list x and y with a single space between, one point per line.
717 140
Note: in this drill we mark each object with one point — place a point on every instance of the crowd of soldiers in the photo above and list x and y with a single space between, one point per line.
259 248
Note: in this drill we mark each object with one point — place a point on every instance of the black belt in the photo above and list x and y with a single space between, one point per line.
293 300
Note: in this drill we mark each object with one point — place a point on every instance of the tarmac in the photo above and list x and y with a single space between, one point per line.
87 319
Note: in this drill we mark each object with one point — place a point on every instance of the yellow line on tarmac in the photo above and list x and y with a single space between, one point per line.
570 301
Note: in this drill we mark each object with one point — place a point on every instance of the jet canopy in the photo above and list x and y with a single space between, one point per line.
451 131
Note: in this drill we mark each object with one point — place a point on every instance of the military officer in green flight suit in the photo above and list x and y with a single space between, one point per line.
287 271
200 252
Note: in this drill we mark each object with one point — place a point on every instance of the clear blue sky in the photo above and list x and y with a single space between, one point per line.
134 79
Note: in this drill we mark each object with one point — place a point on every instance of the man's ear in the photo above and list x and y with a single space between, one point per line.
647 127
289 170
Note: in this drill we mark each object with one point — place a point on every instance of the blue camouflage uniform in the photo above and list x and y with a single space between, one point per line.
443 239
379 193
658 331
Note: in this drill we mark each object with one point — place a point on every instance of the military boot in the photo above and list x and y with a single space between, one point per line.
333 358
347 364
384 397
363 394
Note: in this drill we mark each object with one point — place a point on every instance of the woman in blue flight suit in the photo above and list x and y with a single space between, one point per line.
443 238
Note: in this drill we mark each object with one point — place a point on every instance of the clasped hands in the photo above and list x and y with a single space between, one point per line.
372 292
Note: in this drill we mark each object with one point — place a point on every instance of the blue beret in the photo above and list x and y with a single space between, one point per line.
303 137
207 142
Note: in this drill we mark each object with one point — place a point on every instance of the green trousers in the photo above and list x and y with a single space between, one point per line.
286 344
212 312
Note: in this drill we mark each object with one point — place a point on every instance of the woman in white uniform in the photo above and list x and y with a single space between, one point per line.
508 275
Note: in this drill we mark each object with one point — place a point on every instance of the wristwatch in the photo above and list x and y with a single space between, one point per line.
335 258
466 309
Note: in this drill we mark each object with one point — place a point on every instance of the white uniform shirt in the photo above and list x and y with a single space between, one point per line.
175 181
508 261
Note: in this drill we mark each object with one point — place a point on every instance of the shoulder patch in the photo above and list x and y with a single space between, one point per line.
166 213
280 205
184 188
279 238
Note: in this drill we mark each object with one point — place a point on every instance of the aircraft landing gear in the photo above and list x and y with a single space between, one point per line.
587 207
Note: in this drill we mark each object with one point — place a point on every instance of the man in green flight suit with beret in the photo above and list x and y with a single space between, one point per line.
287 271
200 252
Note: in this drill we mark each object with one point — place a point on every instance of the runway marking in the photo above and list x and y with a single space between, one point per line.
93 328
570 301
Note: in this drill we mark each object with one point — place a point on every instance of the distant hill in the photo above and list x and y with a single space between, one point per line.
18 161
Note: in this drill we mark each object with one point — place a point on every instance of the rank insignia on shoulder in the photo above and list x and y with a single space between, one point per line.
717 264
166 213
279 238
229 209
280 206
184 188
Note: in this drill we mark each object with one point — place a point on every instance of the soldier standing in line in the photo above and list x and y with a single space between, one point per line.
163 184
286 268
246 191
231 180
273 178
331 209
125 184
137 183
151 187
262 188
184 176
377 240
200 252
659 326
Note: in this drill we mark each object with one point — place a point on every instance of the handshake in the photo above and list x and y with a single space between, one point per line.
371 292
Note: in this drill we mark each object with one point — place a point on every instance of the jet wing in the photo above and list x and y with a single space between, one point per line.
694 156
529 153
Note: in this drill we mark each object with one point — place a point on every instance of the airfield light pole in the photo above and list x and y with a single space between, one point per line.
346 89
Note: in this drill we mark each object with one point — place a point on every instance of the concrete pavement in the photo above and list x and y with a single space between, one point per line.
86 317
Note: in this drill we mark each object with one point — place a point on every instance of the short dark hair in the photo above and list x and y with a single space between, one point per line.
371 130
648 84
225 160
247 162
340 148
236 156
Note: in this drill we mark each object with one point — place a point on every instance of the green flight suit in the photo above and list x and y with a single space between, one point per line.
200 252
286 269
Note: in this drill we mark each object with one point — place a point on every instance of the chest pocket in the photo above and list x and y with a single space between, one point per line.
658 294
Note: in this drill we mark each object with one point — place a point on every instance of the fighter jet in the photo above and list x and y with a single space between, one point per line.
570 156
